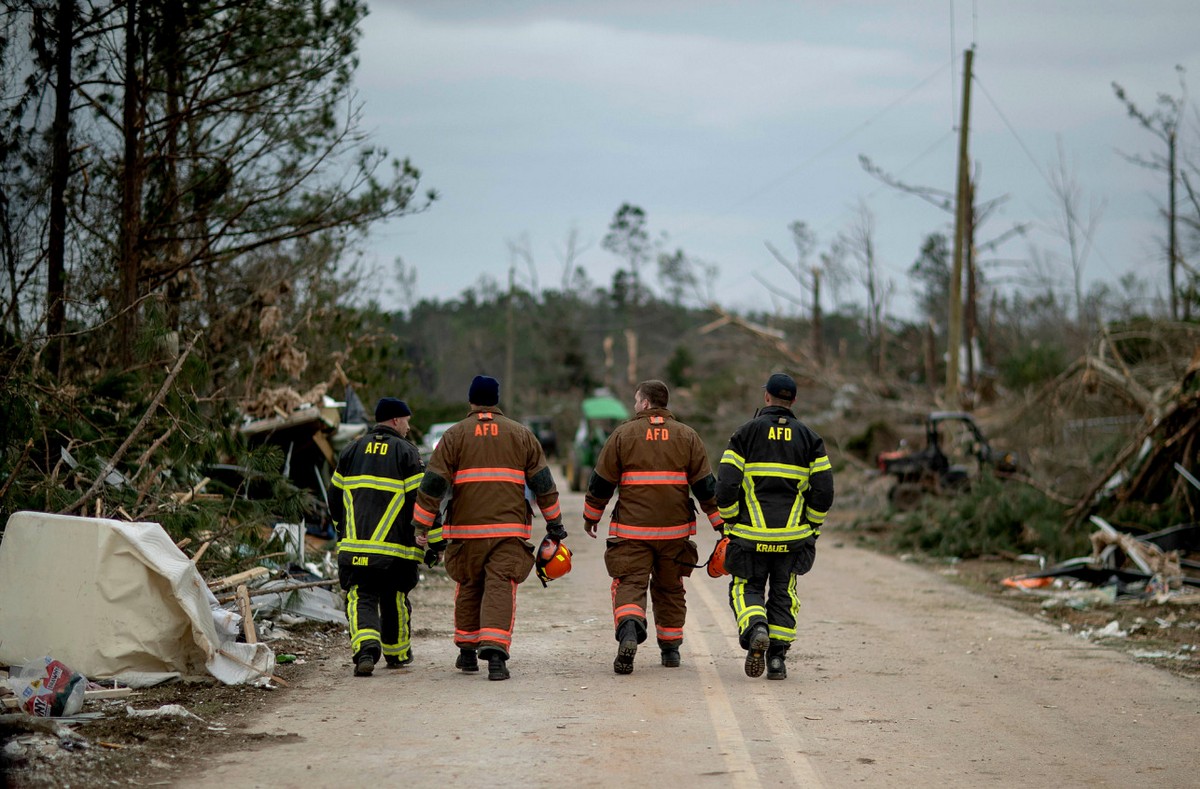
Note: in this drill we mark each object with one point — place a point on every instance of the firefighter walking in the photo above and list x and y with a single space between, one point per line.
371 504
483 464
652 462
774 489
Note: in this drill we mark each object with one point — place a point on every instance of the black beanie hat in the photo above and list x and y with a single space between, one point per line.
391 408
485 390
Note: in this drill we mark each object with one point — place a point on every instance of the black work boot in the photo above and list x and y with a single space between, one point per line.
364 665
467 660
670 657
393 661
497 668
628 637
759 639
777 662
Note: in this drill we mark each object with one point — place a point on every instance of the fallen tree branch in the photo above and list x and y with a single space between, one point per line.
1084 505
1053 495
229 598
16 469
111 465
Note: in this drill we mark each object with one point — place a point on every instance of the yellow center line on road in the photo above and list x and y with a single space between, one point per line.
730 738
770 715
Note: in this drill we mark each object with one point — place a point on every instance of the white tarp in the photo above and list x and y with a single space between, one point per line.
107 597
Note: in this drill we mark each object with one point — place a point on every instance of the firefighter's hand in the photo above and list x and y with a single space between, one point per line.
590 527
719 526
433 556
556 530
422 538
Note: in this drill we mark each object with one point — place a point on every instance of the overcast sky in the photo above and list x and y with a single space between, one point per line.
727 121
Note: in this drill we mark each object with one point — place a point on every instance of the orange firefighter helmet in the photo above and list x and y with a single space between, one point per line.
553 560
716 562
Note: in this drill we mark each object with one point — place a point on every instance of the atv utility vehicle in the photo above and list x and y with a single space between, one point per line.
932 469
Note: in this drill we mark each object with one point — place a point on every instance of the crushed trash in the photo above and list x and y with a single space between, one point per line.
47 688
165 711
1186 652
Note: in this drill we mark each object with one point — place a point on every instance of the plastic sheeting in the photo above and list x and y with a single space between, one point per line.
107 597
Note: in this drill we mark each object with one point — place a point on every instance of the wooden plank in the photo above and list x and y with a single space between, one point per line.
243 603
231 581
326 448
281 590
200 551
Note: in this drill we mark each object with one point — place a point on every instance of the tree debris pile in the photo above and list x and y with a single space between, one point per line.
1109 435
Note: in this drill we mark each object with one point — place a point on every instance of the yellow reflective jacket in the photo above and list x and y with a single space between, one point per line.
371 500
775 483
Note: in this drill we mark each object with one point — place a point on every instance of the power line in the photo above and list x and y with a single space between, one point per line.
1013 130
821 153
1049 182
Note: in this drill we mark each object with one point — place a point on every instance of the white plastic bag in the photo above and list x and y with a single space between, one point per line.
47 688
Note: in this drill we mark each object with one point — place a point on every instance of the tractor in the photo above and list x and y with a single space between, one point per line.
599 417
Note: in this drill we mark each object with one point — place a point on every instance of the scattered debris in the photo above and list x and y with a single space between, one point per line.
1159 560
148 593
165 711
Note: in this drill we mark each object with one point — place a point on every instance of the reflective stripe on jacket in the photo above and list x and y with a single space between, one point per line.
775 482
371 499
654 463
484 463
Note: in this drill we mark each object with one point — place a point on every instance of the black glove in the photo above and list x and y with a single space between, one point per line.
433 554
556 530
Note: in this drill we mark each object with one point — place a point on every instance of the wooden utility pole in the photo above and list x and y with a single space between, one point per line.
970 316
962 200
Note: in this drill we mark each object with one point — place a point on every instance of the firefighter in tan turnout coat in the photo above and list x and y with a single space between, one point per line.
483 464
652 462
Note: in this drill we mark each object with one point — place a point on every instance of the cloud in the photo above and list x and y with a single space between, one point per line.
702 80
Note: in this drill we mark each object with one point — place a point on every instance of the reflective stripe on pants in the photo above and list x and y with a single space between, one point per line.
378 610
769 598
487 572
641 567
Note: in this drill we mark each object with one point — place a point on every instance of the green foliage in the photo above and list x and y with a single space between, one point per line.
994 516
931 273
679 367
1032 364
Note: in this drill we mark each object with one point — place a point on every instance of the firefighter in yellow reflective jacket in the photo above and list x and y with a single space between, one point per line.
371 504
774 488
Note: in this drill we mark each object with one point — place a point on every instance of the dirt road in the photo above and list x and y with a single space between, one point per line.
899 678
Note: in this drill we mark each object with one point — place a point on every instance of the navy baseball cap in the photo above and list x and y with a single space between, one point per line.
781 385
